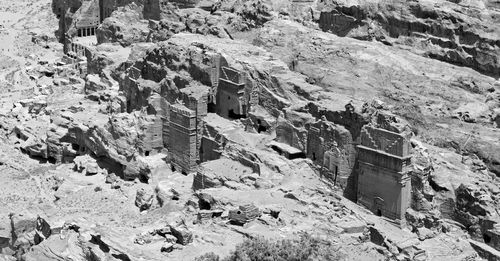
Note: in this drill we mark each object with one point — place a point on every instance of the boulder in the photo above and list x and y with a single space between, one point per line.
496 117
148 238
182 233
42 230
165 193
206 180
111 178
94 83
425 233
170 239
144 199
167 247
22 231
86 164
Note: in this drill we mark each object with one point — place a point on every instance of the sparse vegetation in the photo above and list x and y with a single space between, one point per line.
211 256
303 248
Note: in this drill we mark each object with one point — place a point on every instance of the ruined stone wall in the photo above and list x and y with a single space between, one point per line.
151 138
384 192
232 75
390 142
211 143
183 138
228 98
321 148
210 149
151 84
384 185
382 160
165 117
289 134
352 121
78 49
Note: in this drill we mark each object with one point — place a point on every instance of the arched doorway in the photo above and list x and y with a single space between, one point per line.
378 206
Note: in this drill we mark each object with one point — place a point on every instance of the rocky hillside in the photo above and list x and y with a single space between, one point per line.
464 33
95 155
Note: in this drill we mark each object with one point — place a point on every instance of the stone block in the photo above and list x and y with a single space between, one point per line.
244 214
182 233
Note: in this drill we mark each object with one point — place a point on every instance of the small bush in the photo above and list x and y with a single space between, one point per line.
208 257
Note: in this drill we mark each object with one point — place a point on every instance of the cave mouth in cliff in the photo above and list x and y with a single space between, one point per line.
298 155
75 146
261 128
109 164
204 205
211 107
486 238
144 179
379 212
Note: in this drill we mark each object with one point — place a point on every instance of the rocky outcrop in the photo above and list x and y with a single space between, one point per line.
125 26
129 24
64 9
85 241
475 210
443 31
115 143
144 199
